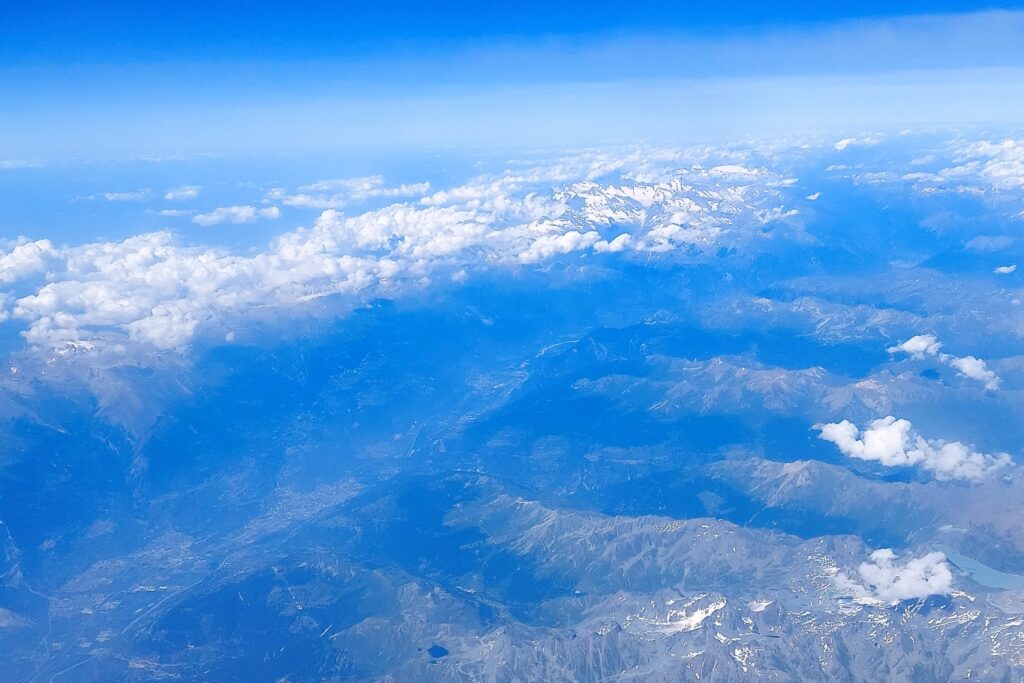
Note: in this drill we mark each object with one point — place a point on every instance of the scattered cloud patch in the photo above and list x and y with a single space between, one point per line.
919 346
894 443
1005 270
182 192
235 214
135 196
886 580
924 345
814 196
892 581
975 368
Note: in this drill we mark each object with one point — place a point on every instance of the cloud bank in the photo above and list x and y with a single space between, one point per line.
152 290
980 167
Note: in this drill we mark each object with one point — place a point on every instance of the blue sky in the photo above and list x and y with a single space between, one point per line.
75 32
99 81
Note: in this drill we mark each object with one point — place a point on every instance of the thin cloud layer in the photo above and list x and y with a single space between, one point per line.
182 192
339 193
236 215
894 443
134 196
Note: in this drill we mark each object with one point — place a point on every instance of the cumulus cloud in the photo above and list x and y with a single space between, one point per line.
620 243
886 580
25 258
235 214
894 443
1005 270
919 346
975 368
924 345
182 192
919 577
151 290
546 246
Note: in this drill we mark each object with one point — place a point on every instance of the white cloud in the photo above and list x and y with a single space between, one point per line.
886 441
135 196
1000 165
894 443
1005 270
924 345
916 578
15 164
814 196
151 290
338 193
546 246
182 192
886 580
975 368
919 346
235 214
865 141
155 292
980 166
989 243
25 258
620 243
171 213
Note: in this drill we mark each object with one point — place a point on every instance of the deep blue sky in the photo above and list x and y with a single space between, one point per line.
75 32
157 79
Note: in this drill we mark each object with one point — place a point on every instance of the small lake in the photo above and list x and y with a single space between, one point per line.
981 573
